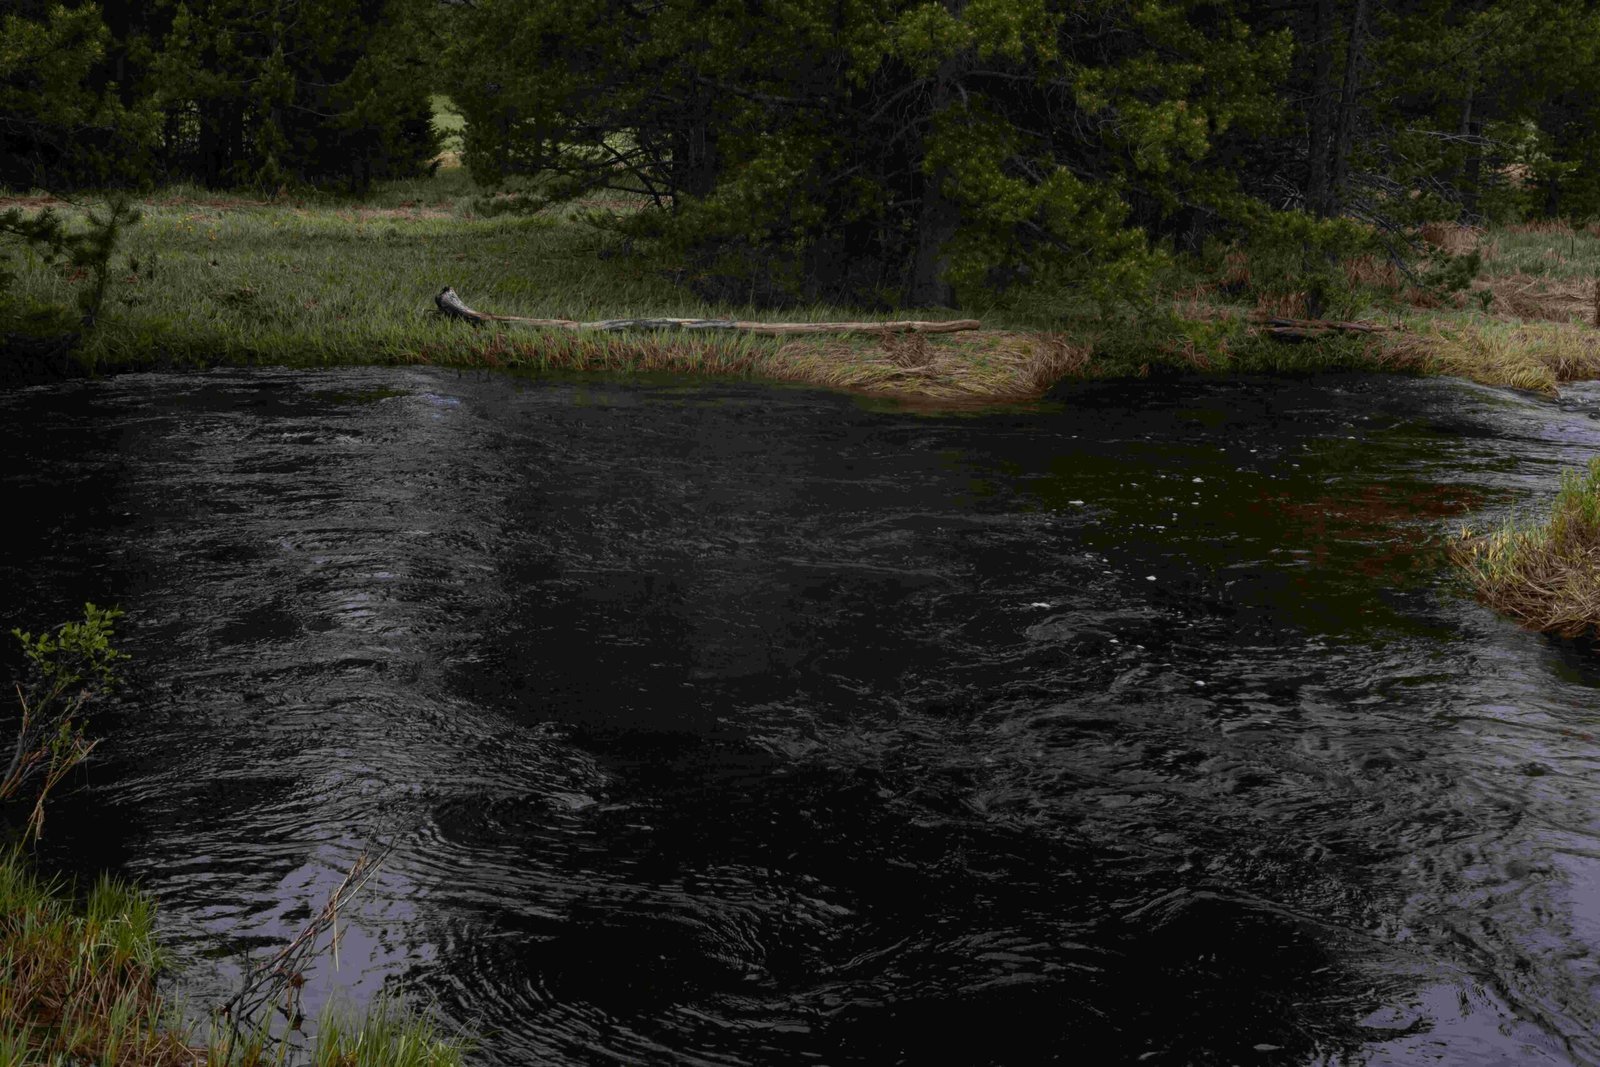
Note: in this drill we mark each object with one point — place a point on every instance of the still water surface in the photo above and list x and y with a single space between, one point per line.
731 724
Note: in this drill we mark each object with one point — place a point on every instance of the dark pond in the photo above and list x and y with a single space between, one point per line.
732 724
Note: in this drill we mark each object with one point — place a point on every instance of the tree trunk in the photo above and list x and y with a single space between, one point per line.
1319 132
694 150
940 219
1472 181
1348 100
1472 168
1552 197
939 216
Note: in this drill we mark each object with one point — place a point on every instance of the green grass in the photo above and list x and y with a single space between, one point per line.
210 279
449 124
1554 250
1546 575
316 280
78 985
205 280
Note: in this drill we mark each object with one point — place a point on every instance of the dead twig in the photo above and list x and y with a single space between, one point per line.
277 982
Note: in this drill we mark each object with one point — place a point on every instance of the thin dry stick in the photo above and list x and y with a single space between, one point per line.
35 753
451 305
1597 303
284 974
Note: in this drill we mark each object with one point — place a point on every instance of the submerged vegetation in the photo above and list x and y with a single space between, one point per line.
1545 575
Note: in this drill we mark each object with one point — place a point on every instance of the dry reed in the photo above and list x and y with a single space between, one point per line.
1534 356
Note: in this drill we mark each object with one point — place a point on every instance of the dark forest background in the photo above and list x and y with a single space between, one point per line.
880 150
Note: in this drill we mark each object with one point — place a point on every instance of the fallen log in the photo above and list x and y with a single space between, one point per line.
452 306
1275 324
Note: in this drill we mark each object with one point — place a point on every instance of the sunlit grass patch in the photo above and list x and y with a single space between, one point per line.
1553 249
1545 575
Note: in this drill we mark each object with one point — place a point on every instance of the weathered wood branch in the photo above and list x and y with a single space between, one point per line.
1311 329
1325 324
451 305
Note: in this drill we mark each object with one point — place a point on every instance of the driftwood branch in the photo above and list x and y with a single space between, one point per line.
451 305
1309 329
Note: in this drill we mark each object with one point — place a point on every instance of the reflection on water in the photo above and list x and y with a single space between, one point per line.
730 724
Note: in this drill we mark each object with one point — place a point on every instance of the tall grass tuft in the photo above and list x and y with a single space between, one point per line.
80 987
1545 575
383 1036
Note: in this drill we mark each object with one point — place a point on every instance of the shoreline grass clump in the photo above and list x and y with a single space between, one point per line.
80 986
1545 575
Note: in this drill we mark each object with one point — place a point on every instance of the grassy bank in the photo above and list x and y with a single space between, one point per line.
78 985
208 279
1546 575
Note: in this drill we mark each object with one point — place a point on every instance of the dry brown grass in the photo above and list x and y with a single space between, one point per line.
1449 237
907 350
1235 270
1543 227
980 366
1546 576
1282 305
1534 356
1379 273
1542 298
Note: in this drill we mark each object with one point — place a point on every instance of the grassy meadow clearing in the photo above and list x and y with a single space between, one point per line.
210 279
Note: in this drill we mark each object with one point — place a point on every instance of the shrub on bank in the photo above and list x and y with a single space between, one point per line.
1544 575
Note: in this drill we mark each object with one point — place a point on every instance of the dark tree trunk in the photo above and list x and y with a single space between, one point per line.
939 217
1472 178
1349 99
1467 177
694 150
1319 120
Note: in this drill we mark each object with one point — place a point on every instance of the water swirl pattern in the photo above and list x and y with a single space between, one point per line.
732 724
